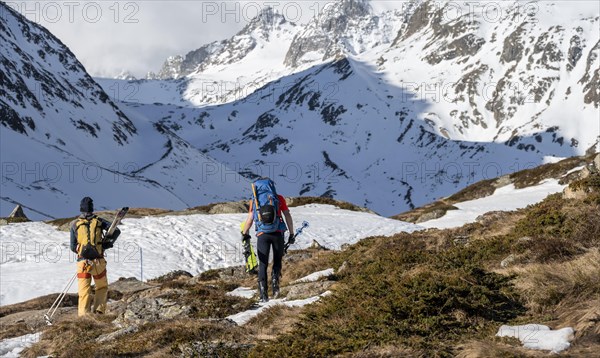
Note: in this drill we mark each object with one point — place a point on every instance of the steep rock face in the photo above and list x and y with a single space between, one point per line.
346 26
43 87
63 138
491 73
502 75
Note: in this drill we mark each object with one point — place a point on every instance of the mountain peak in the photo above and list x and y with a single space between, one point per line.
345 9
345 26
265 22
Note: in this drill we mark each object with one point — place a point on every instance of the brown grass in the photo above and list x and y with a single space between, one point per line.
548 285
388 351
74 338
14 330
475 191
319 260
273 321
43 302
305 200
414 216
16 220
535 175
500 348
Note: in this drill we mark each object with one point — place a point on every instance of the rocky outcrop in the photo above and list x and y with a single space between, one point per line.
151 309
305 290
42 83
342 27
18 213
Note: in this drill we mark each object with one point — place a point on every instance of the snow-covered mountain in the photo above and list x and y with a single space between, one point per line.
396 109
221 71
389 110
346 141
62 137
523 73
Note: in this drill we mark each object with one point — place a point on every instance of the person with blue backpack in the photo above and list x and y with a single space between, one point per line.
267 210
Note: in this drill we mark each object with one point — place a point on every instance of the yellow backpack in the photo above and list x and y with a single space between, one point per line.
89 238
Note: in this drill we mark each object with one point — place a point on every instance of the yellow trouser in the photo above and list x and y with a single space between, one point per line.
85 271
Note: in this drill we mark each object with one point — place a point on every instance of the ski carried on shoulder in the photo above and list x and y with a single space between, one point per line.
304 225
58 301
117 220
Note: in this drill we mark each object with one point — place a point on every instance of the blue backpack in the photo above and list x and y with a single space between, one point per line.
266 206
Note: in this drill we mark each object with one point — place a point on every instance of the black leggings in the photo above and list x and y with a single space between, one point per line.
264 243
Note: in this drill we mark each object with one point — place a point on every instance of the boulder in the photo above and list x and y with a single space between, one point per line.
570 193
586 172
503 181
129 285
18 213
509 260
173 275
308 289
597 162
229 208
524 239
432 215
151 309
315 245
114 335
214 349
343 269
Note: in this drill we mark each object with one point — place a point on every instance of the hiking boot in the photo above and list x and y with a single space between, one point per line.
262 291
275 285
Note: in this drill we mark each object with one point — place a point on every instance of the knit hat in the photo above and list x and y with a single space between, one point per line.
87 205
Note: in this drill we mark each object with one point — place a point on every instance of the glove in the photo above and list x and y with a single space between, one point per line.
291 239
108 242
246 237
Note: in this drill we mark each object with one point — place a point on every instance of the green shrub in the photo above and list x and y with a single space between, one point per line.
402 294
544 219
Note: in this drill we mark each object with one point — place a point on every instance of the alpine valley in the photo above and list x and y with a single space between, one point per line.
388 110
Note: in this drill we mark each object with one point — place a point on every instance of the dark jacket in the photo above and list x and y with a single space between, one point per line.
105 225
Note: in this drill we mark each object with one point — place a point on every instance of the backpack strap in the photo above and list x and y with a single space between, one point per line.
256 207
92 228
277 205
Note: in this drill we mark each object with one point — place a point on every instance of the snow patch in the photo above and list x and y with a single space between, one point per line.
244 317
576 169
315 276
507 198
12 347
552 159
244 292
538 336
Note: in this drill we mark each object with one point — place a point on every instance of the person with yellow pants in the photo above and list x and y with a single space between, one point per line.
89 243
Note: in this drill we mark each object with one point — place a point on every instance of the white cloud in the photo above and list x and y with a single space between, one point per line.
111 36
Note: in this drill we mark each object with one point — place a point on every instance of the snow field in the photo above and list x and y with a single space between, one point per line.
506 198
154 246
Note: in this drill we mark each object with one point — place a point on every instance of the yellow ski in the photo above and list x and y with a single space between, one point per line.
249 255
